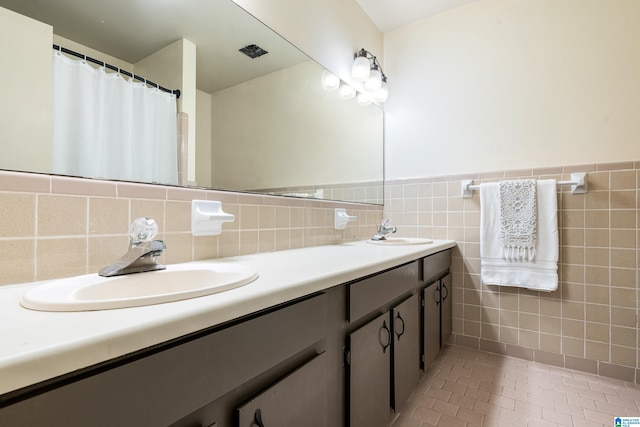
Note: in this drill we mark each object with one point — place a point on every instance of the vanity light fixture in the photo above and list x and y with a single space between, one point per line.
367 69
375 79
346 91
329 81
361 67
382 93
364 98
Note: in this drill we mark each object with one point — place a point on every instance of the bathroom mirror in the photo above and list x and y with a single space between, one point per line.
261 125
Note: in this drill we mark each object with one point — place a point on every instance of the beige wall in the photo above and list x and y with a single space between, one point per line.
203 139
174 66
53 227
299 135
501 89
85 50
25 85
499 84
590 322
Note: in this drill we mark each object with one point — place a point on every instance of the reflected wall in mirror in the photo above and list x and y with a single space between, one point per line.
258 125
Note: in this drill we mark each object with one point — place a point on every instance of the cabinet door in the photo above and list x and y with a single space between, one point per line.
431 323
369 374
446 311
406 349
300 399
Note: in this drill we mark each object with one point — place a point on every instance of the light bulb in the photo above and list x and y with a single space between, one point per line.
374 81
346 91
382 94
329 81
364 98
361 67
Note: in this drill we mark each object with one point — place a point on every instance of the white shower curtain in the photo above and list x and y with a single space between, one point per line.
107 127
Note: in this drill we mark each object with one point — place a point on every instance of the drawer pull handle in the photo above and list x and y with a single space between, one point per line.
439 295
444 286
257 418
400 321
385 337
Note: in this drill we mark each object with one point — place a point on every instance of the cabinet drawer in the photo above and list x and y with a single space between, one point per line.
369 294
300 399
435 264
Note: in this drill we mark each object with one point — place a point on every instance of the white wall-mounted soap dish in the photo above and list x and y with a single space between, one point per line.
207 217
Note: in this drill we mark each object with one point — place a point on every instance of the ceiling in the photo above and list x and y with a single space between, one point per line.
131 30
391 14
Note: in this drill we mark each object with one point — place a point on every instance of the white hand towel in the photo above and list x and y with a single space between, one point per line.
518 218
540 273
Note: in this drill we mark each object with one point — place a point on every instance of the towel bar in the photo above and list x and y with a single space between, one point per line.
578 183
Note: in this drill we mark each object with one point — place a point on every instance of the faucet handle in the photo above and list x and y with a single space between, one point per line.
384 225
142 230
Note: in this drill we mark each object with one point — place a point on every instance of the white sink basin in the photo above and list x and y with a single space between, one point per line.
177 282
398 241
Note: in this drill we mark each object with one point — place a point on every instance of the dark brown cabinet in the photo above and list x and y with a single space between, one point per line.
348 356
383 354
446 309
163 385
369 381
436 317
406 350
383 364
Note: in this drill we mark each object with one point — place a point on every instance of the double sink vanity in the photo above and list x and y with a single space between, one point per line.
334 335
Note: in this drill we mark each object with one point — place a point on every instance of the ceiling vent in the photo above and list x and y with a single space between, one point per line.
253 51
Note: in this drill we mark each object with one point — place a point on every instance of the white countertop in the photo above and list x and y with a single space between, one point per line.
36 346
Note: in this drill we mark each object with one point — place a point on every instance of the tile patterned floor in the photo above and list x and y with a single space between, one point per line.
466 387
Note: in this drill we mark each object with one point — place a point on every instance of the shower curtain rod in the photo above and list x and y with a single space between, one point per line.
176 92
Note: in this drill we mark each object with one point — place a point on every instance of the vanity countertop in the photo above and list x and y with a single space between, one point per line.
37 346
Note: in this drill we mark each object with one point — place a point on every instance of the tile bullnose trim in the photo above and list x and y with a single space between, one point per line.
25 182
134 190
185 194
514 173
83 186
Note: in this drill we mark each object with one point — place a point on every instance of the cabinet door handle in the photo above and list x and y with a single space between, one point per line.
384 336
400 321
444 286
257 418
437 291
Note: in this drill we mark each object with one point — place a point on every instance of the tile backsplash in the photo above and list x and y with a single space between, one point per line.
591 322
52 226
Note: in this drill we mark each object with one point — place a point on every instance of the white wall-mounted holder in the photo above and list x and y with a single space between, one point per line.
465 191
578 183
342 218
207 217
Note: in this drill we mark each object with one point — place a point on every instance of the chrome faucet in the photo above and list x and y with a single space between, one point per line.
384 229
142 252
